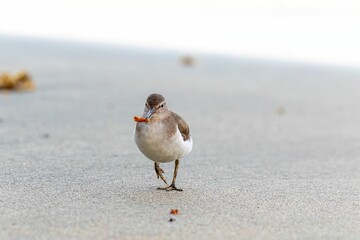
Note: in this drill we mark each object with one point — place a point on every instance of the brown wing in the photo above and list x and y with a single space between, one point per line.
182 125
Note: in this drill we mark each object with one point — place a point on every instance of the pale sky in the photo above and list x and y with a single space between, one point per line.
319 31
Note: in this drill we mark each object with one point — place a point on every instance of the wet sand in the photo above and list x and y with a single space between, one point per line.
276 147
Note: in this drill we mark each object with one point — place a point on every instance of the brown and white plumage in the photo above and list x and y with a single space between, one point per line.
166 137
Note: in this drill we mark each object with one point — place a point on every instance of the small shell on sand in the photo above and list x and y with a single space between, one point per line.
280 111
188 60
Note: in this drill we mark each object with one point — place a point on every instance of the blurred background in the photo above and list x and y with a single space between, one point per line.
317 31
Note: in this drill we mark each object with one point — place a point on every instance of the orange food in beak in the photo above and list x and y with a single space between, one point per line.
140 119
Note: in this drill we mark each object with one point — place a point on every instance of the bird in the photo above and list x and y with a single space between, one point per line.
162 137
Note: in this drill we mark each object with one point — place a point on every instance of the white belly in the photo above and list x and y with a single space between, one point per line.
153 143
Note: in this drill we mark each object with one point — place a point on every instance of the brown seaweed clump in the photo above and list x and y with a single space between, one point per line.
18 82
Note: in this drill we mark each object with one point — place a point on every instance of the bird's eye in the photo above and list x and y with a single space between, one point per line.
162 105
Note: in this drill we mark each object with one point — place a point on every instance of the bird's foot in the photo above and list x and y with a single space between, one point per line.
159 173
172 187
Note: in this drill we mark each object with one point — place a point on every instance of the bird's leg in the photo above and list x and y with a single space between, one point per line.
172 186
159 172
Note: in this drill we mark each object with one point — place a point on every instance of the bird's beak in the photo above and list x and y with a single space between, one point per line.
149 113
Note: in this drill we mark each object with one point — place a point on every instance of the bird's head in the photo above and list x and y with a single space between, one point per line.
155 105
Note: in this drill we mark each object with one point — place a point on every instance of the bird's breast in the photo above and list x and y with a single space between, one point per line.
154 141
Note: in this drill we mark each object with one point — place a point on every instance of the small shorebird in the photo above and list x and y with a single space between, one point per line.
162 136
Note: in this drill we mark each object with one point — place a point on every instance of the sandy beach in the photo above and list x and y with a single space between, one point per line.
276 146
